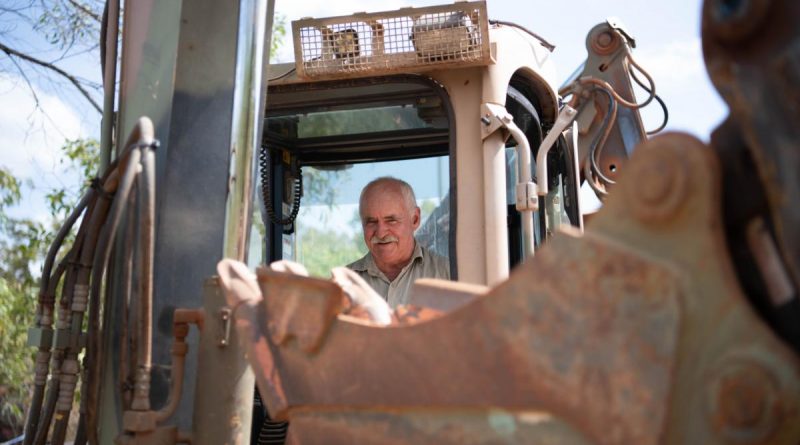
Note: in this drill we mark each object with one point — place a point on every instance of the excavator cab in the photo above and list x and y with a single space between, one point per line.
323 141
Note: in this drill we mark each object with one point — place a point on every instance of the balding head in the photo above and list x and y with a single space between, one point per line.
388 184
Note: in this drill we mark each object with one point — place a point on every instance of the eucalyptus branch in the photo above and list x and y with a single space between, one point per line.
27 81
12 52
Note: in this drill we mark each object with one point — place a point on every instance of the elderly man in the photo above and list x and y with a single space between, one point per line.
389 217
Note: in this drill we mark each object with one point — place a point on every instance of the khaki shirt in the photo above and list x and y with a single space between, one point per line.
423 264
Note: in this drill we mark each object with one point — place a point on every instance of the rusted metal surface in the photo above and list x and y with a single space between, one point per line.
164 435
752 52
304 308
427 426
443 295
719 328
650 340
608 374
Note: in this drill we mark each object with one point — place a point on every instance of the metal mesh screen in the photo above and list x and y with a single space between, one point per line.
387 42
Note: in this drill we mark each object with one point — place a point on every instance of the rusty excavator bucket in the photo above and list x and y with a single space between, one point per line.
622 352
642 330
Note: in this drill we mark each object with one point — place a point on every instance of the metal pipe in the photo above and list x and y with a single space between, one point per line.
141 397
245 137
70 367
235 406
180 329
573 149
494 209
564 119
524 177
111 25
124 376
90 387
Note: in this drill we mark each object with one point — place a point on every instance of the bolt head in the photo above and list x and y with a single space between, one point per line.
660 179
744 405
605 42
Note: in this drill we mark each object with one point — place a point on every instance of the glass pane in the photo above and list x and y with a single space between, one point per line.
328 230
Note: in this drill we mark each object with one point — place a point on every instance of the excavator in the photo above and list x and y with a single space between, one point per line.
180 313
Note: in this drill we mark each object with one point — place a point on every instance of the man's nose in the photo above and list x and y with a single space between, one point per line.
383 229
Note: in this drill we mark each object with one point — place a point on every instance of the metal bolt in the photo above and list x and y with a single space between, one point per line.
486 120
660 177
744 402
604 39
656 182
605 42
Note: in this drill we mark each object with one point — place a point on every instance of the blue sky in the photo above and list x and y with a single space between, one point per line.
668 46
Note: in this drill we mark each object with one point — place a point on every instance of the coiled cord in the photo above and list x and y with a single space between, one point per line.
266 190
272 432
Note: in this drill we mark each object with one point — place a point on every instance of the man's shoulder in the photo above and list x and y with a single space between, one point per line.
440 264
361 264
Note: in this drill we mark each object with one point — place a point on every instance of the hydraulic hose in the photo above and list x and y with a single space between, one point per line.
70 368
68 264
44 312
101 257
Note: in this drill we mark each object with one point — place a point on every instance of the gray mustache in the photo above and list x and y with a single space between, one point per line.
385 240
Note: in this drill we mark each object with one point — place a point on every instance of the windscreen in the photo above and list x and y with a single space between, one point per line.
328 228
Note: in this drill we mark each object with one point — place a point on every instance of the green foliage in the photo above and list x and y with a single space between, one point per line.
321 186
19 244
65 23
278 34
16 315
427 207
80 156
320 250
9 190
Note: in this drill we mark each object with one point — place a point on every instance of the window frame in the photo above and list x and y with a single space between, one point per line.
307 97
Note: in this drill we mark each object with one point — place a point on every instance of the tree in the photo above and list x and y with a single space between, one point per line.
23 246
39 37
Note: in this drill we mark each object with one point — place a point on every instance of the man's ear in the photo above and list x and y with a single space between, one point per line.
415 219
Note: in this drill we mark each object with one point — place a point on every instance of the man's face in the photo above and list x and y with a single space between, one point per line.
389 227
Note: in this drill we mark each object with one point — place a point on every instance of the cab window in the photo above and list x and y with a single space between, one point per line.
334 138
